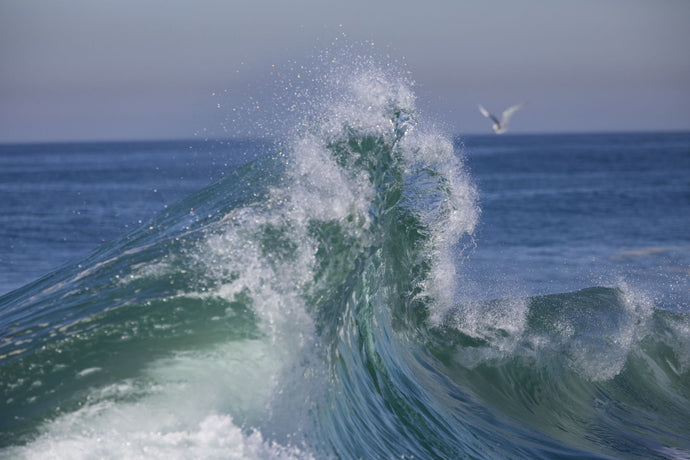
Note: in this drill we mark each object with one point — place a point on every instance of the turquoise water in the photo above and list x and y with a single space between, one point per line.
366 288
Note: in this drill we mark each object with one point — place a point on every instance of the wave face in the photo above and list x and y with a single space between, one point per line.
307 306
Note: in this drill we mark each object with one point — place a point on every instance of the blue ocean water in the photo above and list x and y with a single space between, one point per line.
367 287
563 212
61 201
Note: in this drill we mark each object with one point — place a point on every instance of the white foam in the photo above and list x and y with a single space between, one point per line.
601 354
181 407
599 363
322 190
500 325
89 371
679 341
593 341
454 214
241 399
381 104
215 437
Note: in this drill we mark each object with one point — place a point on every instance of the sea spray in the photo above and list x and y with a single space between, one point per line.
312 304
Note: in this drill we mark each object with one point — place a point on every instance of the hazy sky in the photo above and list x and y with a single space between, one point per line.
148 69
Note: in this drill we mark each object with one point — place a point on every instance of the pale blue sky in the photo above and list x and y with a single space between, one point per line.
147 69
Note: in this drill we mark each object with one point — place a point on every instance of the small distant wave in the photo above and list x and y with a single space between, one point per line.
648 251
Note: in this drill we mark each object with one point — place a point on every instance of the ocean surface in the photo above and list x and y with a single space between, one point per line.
364 287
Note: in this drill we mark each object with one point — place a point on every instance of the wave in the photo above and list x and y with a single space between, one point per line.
308 306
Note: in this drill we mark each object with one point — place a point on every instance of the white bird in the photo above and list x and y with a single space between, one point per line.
500 127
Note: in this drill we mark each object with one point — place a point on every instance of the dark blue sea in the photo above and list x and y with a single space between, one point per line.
365 286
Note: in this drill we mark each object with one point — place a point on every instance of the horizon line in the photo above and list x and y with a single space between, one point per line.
199 139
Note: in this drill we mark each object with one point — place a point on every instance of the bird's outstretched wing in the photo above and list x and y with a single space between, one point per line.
507 113
488 114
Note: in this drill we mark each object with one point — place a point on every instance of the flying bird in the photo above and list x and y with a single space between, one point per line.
500 127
